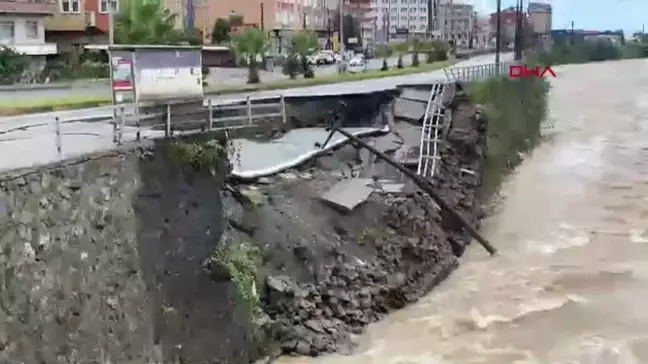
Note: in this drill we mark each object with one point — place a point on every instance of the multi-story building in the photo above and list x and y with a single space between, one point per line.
483 33
508 17
22 29
540 24
397 19
78 23
457 23
285 17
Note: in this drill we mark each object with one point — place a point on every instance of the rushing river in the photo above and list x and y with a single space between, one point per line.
571 282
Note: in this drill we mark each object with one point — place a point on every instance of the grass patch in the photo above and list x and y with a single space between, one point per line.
17 107
516 110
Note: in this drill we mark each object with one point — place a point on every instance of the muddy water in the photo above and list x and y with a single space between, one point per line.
571 283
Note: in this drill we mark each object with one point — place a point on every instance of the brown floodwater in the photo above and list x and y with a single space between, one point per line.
571 282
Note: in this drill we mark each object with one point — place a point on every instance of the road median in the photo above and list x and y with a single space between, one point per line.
28 106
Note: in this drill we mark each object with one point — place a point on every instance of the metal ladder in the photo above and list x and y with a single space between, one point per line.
430 133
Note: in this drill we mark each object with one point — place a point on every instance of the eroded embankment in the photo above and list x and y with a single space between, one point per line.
326 274
141 255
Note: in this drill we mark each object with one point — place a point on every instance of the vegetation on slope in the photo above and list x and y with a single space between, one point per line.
516 109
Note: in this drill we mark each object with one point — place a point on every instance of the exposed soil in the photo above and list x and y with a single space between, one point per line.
326 274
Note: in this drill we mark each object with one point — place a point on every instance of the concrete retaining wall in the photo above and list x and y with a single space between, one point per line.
102 262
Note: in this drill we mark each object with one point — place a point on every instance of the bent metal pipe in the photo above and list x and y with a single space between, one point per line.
421 182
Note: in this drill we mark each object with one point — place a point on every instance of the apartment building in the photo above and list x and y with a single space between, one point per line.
22 29
457 23
396 19
540 24
79 22
508 17
483 33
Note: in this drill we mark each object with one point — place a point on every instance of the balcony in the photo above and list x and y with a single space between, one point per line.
71 22
40 7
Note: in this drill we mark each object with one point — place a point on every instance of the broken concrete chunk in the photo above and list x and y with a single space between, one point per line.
348 194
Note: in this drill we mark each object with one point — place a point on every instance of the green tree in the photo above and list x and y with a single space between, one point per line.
12 66
249 45
302 43
220 31
148 22
384 51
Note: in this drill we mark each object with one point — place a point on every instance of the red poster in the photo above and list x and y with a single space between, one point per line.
122 75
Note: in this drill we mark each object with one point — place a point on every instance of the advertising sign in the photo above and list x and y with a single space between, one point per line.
122 77
168 74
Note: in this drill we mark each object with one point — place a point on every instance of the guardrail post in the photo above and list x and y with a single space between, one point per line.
210 108
284 119
59 140
138 136
167 129
249 109
122 124
114 124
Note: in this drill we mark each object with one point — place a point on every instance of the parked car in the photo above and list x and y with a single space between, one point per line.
357 64
325 57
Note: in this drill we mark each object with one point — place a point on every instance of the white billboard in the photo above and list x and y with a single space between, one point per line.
168 75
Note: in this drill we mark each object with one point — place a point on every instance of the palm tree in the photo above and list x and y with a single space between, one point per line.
148 22
249 45
302 43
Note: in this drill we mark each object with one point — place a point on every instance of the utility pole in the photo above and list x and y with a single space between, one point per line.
262 17
342 48
498 32
328 28
111 22
573 35
518 16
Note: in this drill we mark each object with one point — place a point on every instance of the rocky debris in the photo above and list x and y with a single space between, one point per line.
329 273
407 246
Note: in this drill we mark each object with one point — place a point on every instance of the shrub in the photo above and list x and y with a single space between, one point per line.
516 110
12 66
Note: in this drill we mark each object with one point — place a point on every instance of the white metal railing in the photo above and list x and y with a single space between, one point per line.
194 116
476 72
430 136
433 119
65 136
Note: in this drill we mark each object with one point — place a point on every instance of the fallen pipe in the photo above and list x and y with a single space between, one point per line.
421 182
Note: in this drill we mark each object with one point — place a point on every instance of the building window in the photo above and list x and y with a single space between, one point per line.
31 29
403 10
7 31
70 6
103 6
423 10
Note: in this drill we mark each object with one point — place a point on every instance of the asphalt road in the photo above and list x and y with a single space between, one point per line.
218 76
29 140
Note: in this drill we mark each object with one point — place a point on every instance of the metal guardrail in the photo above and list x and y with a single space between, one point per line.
58 138
472 73
174 117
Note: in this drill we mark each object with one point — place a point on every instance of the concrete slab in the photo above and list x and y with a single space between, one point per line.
415 94
408 109
348 194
